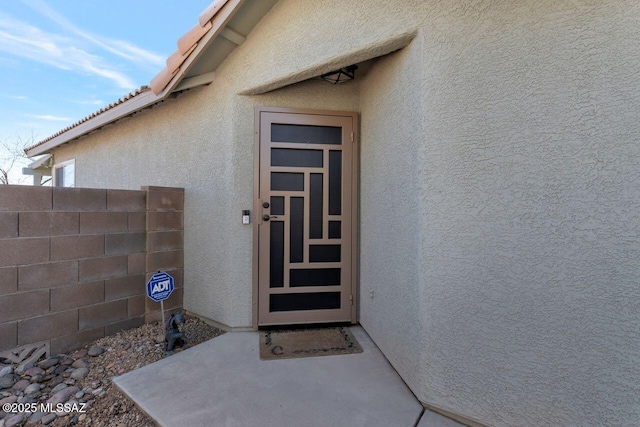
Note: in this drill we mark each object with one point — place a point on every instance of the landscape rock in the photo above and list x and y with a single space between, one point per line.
95 351
79 373
60 369
35 417
27 399
7 381
59 387
63 395
48 419
21 385
34 371
32 388
66 360
48 363
54 382
23 367
80 363
14 420
79 354
10 399
6 371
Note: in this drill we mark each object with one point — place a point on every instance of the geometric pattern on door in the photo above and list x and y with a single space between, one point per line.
304 215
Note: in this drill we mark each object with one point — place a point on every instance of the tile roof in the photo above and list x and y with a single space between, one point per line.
92 115
186 46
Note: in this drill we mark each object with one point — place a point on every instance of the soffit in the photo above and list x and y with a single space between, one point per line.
245 19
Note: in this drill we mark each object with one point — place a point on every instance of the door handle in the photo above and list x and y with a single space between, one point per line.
266 217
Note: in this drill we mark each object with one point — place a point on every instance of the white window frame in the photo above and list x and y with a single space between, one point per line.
62 165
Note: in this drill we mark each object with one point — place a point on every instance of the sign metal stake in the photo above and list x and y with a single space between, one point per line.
162 310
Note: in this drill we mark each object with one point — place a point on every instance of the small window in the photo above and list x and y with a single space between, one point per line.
64 174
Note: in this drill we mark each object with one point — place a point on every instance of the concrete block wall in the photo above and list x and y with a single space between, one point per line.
74 261
164 243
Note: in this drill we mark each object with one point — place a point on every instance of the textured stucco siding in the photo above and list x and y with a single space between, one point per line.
390 211
500 201
513 228
202 141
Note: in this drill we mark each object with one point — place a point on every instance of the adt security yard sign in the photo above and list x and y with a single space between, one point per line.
160 286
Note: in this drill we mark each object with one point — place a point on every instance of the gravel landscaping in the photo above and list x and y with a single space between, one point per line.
81 380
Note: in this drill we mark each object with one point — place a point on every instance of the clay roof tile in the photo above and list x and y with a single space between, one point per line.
191 37
161 80
92 115
211 10
177 58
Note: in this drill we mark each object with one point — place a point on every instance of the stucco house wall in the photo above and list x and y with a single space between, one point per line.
500 210
518 184
203 139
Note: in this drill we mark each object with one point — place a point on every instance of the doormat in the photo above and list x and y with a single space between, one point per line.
295 343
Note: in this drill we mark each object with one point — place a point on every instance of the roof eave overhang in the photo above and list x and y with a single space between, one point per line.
146 99
120 111
43 162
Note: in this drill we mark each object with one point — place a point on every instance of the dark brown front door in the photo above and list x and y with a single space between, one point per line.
304 215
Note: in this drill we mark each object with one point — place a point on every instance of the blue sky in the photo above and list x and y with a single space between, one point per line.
60 60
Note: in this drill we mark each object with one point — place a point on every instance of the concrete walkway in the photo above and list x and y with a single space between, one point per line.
222 382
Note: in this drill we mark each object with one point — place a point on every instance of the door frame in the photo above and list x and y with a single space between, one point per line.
355 171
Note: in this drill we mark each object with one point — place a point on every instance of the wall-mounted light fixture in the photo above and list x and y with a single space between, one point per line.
340 76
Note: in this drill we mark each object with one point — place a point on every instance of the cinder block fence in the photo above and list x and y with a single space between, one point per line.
74 261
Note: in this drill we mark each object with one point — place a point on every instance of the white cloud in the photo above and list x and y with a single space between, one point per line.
90 102
21 97
119 48
50 118
26 41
